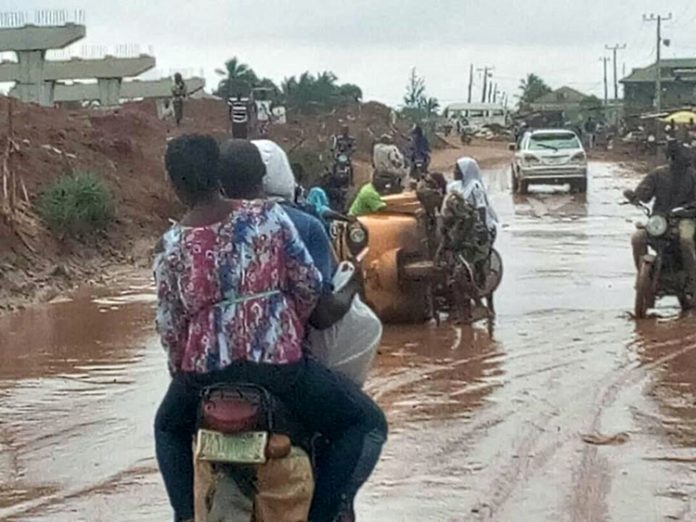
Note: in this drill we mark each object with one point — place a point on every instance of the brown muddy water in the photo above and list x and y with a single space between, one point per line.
485 425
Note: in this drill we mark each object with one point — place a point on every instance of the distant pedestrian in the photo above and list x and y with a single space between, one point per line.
179 93
590 132
238 110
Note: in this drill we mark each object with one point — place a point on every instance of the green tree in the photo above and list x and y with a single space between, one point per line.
532 88
431 106
238 77
415 91
319 91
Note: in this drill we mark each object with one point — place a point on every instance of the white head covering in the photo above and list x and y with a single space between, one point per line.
279 181
473 189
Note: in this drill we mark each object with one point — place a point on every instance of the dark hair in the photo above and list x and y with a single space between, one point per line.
192 165
241 169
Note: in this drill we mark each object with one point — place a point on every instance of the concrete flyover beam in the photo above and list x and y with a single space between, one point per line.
131 90
109 67
35 38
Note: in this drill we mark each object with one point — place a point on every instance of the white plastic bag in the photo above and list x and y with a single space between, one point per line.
350 345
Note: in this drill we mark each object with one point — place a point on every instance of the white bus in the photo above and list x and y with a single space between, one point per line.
477 114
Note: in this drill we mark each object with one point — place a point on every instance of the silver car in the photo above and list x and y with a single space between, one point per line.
550 156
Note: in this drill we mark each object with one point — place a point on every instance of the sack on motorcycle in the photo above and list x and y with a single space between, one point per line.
350 345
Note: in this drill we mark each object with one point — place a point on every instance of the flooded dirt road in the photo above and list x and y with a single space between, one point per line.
498 425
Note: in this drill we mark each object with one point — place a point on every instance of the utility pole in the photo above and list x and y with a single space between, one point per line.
614 49
658 70
604 60
471 81
492 93
486 75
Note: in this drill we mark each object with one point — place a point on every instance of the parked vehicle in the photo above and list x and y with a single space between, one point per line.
478 114
661 272
550 156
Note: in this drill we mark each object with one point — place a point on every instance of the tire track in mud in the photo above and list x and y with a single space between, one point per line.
583 505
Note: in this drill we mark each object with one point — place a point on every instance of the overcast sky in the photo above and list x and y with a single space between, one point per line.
374 43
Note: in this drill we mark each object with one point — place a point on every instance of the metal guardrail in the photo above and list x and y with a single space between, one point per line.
41 17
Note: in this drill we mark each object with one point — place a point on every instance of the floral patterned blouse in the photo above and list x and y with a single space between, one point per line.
239 289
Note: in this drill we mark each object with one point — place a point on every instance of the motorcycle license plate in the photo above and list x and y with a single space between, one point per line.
242 448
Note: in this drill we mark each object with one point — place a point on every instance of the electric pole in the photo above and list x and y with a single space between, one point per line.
614 49
486 75
604 60
658 70
492 92
471 81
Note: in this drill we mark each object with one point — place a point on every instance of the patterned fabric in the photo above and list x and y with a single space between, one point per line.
239 289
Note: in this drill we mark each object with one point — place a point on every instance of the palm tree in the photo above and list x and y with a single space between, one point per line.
431 106
238 76
533 88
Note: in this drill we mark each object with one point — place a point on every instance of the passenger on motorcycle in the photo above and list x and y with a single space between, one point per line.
279 183
670 187
235 286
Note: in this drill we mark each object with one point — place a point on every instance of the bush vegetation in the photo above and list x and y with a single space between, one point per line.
77 205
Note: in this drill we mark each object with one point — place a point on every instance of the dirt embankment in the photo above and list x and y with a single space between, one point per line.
126 147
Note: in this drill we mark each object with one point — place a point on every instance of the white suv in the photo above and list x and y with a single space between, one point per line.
551 156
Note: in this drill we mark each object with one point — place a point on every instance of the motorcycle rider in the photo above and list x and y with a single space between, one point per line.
469 183
386 157
670 186
343 143
213 253
420 149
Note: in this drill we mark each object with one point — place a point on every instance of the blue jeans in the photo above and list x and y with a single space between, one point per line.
325 402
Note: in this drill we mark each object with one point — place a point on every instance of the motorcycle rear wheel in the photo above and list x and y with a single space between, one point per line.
644 293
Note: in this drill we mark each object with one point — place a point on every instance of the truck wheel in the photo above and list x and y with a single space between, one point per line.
644 295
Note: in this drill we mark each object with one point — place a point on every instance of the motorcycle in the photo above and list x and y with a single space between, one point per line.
466 136
661 272
419 168
252 459
338 180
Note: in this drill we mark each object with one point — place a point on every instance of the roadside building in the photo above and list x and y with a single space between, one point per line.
678 77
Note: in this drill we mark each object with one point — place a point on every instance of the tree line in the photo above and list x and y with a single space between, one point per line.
304 92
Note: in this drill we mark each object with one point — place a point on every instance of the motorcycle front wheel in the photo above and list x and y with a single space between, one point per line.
644 293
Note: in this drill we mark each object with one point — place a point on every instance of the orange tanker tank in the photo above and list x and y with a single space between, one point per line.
397 236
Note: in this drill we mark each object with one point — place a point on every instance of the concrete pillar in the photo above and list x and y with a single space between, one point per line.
109 91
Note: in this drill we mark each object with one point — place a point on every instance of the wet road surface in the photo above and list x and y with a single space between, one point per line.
485 425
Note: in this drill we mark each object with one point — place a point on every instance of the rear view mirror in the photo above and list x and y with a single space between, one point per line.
512 147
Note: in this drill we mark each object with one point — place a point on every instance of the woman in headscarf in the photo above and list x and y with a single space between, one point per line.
469 183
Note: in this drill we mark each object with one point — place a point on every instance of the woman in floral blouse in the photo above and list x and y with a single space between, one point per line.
235 288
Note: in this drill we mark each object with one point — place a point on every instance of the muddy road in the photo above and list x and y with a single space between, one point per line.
486 425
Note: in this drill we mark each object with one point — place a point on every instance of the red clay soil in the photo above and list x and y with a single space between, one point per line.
126 147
